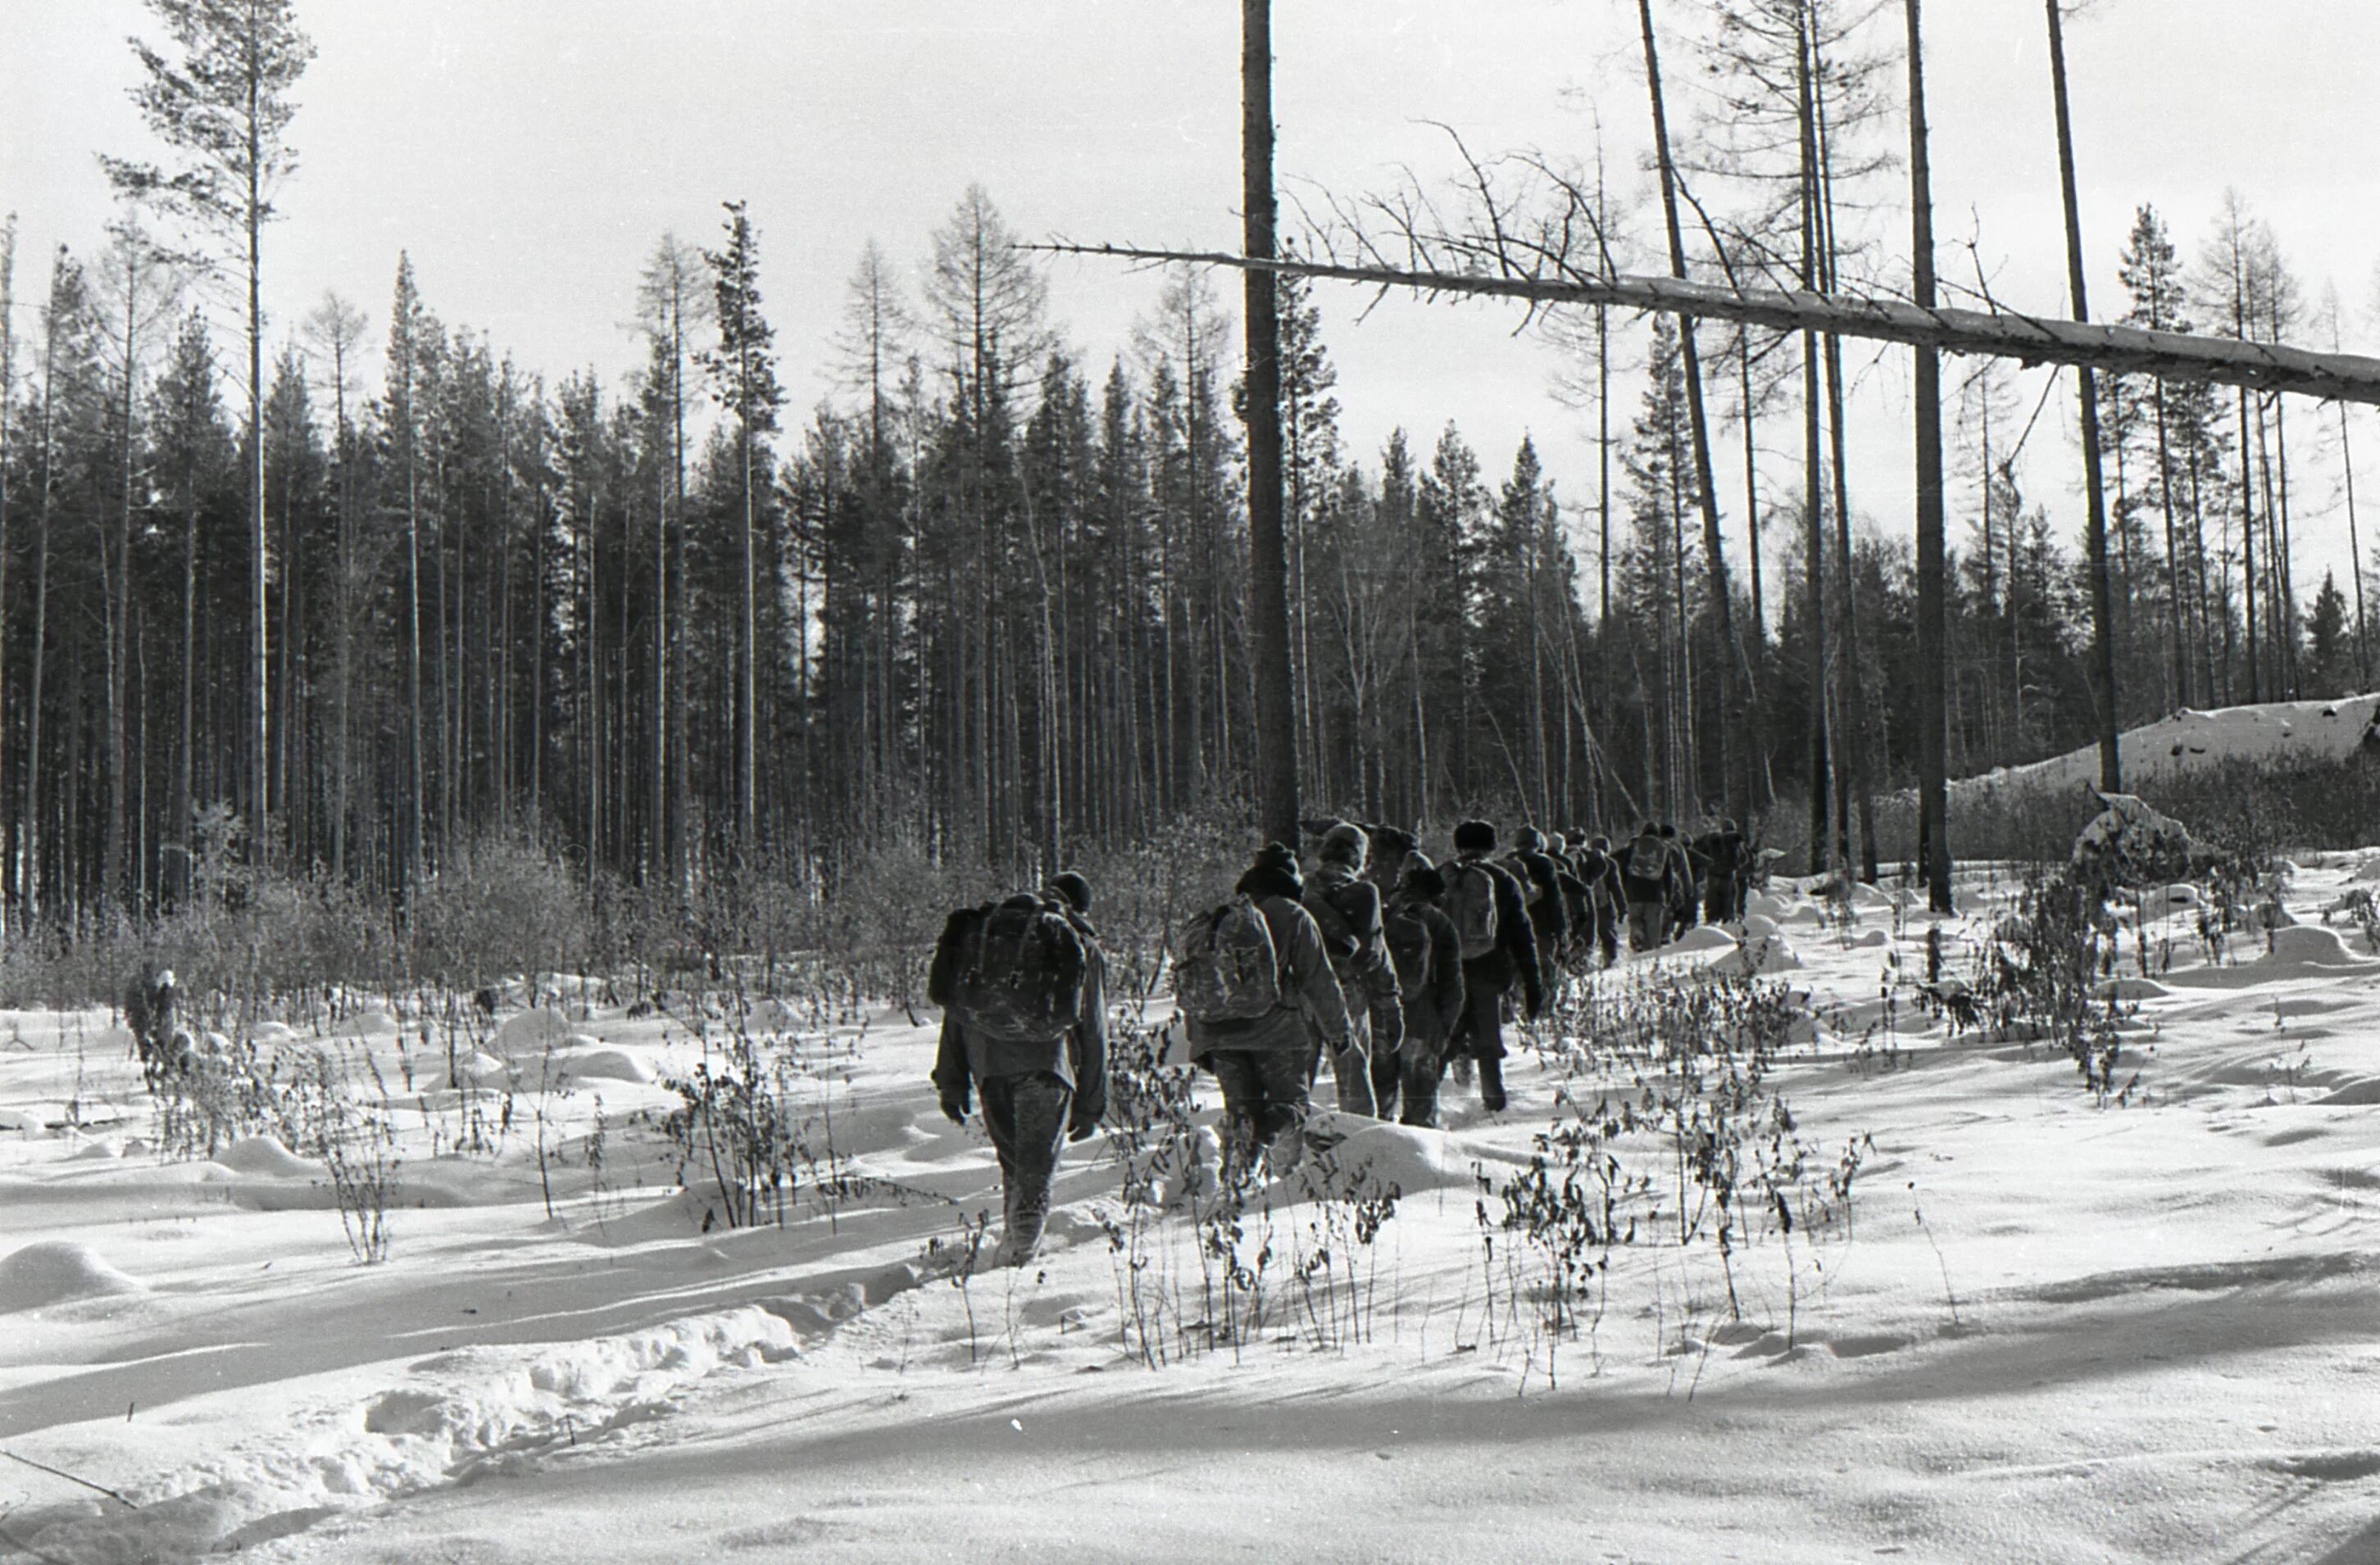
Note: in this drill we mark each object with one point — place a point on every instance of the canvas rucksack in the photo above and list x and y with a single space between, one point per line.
1227 969
1408 941
1023 977
951 952
1471 907
1648 859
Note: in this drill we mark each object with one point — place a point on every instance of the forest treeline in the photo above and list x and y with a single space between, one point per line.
989 598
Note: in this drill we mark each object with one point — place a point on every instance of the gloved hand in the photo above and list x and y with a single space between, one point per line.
1535 1006
955 1105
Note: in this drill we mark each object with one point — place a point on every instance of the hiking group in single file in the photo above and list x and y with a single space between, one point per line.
1399 970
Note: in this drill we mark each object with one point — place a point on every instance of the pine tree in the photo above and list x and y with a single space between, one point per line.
743 368
225 106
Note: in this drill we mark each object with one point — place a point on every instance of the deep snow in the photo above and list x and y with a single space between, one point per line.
2050 1330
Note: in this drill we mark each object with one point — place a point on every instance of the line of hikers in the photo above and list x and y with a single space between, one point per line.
1395 968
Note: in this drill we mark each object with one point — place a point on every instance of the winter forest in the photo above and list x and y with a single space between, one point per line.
1549 780
986 603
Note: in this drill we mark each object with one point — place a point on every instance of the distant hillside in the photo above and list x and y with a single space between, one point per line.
2188 741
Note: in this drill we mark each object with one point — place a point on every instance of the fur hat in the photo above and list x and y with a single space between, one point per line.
1474 836
1075 889
1528 839
1422 877
1345 843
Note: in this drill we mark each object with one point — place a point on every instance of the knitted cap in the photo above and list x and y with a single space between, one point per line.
1422 877
1528 839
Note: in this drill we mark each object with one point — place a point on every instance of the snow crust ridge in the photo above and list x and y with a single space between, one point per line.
457 1416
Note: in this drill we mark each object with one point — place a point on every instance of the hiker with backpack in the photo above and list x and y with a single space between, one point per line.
1022 984
1346 909
1428 957
1723 851
1257 993
1605 902
1490 915
1684 894
1647 868
1541 888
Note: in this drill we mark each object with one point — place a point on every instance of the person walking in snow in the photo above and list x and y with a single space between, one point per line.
1490 915
1428 957
1260 1003
1025 1031
1346 909
1648 869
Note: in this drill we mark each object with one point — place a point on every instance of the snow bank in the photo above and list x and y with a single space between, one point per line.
57 1272
264 1155
458 1417
531 1032
2273 733
1758 959
1702 937
602 1063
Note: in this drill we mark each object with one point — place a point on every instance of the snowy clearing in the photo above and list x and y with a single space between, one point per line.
2049 1323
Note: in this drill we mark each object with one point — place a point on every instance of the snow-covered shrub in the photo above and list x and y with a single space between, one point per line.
496 906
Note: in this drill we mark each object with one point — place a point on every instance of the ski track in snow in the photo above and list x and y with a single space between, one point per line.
2054 1330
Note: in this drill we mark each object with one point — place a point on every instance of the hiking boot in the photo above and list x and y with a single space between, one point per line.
1491 1086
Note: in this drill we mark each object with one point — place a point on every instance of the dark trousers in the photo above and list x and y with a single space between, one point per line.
1479 1031
1265 1093
1720 903
1026 1119
1419 1064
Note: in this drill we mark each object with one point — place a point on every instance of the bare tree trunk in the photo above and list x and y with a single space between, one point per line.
1276 714
1735 675
2103 610
1934 836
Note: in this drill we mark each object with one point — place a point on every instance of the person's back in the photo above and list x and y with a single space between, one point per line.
1429 958
1489 975
1265 1062
1346 910
1021 985
1647 868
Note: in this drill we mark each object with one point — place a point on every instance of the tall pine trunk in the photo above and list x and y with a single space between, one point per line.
1268 600
1934 838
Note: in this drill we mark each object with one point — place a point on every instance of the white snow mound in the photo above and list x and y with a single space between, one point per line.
532 1032
1758 959
57 1271
1702 937
265 1155
2308 945
602 1063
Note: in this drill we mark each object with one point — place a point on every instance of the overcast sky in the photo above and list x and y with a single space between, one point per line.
529 154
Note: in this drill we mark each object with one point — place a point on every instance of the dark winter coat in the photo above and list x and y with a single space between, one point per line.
966 1055
1641 888
1548 917
1313 1009
1431 980
1347 914
1515 956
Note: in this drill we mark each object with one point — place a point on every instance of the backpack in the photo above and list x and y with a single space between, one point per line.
1227 969
1648 859
951 954
1022 979
1471 907
1408 942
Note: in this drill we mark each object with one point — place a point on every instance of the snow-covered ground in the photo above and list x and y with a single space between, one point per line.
2275 733
2044 1328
